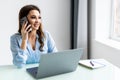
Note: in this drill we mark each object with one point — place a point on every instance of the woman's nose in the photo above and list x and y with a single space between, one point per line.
36 20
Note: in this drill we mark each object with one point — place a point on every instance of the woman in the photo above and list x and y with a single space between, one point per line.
31 41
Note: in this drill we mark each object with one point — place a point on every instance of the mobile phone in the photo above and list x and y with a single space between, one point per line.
23 20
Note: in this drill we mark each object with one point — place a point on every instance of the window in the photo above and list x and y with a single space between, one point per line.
115 29
105 32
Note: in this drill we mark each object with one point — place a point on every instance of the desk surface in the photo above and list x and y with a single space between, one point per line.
109 72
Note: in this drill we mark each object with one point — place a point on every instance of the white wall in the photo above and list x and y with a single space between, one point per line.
97 49
55 17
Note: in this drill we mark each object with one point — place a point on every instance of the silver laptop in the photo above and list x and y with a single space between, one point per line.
56 63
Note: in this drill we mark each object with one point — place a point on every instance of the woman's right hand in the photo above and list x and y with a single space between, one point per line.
25 30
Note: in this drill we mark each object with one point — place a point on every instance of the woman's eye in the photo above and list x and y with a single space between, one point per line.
33 17
39 17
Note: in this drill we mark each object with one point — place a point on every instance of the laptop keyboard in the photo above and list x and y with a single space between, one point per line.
33 71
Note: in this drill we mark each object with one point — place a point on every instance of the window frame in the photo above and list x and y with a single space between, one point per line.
113 33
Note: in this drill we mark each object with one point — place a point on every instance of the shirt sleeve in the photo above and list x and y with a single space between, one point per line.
51 44
19 55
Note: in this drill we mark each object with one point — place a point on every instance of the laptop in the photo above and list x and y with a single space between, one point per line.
56 63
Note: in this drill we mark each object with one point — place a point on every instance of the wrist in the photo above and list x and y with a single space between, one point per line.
23 44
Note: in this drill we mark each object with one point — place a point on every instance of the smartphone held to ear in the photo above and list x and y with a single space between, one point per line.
23 20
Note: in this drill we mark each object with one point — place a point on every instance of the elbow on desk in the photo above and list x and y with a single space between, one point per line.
19 64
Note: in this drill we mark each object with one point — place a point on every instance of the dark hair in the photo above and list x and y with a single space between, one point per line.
24 12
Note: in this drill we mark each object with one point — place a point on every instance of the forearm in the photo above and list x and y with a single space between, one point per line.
19 51
23 44
19 59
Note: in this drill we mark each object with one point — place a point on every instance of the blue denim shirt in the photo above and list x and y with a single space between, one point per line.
28 56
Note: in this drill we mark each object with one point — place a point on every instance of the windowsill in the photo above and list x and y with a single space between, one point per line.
110 43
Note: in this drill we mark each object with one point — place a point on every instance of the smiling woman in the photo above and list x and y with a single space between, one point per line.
52 18
31 41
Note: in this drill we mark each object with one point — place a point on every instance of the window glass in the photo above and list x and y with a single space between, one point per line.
115 29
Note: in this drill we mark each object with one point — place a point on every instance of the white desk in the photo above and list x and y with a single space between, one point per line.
109 72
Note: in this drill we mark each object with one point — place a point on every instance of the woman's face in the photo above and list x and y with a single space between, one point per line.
34 18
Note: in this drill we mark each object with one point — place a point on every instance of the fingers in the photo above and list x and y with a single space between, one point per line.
28 28
24 25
